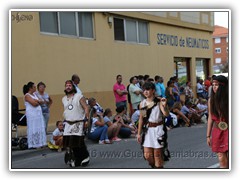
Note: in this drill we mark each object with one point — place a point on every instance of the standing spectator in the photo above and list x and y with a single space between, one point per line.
200 89
176 91
47 102
113 128
129 101
152 118
36 134
135 93
140 81
188 91
158 92
163 89
210 88
207 83
169 94
76 81
218 120
120 92
75 112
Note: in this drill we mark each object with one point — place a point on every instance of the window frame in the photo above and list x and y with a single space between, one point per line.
218 50
137 28
218 59
49 33
77 27
218 42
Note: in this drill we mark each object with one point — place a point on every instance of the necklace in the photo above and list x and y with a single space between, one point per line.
70 106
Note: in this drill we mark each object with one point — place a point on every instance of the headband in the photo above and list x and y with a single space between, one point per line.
221 83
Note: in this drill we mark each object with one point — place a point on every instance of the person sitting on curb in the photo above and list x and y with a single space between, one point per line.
98 129
113 128
126 130
56 141
176 109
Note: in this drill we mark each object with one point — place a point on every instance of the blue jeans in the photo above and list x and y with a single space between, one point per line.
46 119
122 103
99 133
125 132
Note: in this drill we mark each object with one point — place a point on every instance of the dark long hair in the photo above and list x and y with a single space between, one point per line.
219 100
27 86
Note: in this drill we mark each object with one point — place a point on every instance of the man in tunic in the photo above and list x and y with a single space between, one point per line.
75 113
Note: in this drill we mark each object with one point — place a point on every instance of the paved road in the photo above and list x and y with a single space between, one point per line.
187 145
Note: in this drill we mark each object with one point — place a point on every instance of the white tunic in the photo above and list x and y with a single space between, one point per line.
77 112
36 134
153 133
73 111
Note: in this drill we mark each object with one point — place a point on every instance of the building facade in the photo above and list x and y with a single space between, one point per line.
220 46
51 46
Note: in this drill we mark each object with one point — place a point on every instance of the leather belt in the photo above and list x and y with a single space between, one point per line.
72 122
151 124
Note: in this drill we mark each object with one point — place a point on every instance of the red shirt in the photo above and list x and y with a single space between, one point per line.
207 84
119 98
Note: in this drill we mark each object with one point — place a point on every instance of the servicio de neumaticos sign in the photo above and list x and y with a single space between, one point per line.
189 42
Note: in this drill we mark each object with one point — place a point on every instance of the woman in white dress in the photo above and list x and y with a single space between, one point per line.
35 122
151 117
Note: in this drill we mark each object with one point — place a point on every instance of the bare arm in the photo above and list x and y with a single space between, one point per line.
99 123
86 109
209 124
32 101
171 92
181 115
55 138
85 106
140 124
163 107
50 101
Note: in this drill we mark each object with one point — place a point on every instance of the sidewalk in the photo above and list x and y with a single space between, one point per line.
22 132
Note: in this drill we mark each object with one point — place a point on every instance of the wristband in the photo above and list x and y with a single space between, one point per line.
208 136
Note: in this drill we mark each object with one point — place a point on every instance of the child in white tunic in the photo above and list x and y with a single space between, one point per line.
151 147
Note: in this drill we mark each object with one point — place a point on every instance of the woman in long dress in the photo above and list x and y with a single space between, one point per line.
35 122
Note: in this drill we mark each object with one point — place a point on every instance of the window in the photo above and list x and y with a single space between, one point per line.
118 29
217 40
48 22
143 32
85 24
130 30
218 50
218 60
67 23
